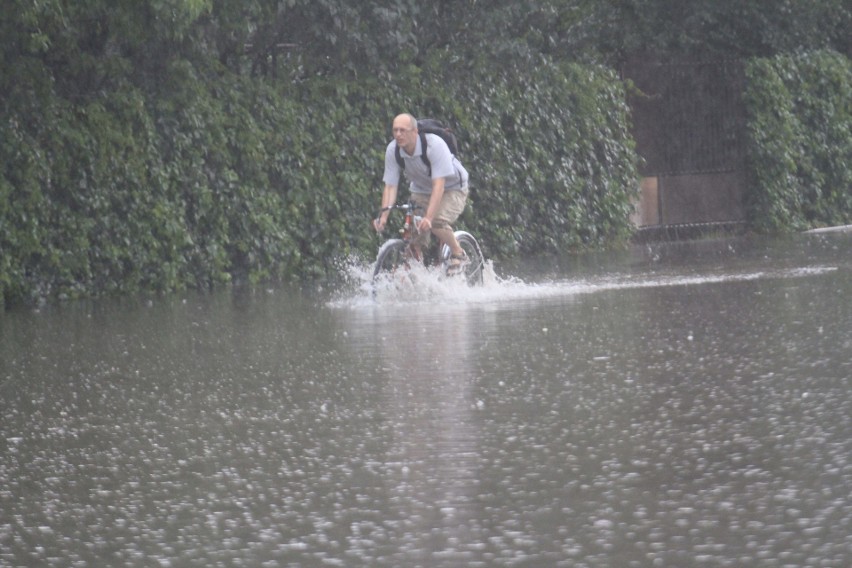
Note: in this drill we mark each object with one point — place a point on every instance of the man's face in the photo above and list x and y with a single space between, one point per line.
404 134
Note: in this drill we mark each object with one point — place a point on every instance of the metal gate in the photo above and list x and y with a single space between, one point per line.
688 123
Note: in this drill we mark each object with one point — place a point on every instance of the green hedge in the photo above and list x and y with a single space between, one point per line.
219 177
552 162
800 141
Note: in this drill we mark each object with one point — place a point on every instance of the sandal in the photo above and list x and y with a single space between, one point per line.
456 263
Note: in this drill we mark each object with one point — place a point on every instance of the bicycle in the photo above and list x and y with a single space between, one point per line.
398 253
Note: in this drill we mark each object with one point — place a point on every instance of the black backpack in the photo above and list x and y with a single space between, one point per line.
431 126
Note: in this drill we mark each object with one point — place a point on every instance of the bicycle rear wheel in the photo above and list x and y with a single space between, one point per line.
392 256
474 268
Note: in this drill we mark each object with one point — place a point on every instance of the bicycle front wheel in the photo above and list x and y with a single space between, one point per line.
392 257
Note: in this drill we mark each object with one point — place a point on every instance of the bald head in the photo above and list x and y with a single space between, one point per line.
405 132
405 120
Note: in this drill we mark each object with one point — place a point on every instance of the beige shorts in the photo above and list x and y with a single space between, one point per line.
452 205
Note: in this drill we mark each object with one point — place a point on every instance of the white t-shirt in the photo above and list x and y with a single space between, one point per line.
444 165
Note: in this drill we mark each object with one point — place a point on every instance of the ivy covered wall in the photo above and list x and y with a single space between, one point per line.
800 141
211 181
165 144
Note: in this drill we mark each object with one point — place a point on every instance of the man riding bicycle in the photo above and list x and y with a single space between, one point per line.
442 194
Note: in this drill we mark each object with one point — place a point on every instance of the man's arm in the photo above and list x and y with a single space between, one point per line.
388 199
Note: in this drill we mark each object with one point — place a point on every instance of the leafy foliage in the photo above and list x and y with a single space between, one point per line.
164 144
693 29
800 128
552 161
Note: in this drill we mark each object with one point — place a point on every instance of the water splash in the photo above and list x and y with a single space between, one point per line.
423 285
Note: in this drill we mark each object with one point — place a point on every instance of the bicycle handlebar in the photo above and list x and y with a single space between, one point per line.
403 206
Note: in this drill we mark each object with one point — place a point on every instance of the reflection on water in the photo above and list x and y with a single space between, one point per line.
678 405
426 360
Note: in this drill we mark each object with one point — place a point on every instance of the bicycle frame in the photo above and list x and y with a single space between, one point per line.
397 253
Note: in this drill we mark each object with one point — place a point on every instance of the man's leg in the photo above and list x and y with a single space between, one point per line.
447 236
452 205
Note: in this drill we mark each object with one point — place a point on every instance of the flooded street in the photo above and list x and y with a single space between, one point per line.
685 404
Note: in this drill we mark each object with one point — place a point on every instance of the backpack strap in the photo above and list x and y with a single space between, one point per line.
423 156
399 161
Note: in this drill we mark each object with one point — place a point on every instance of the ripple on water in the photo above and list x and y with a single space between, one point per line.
577 427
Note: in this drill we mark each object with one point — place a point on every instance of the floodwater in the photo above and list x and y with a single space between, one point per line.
679 405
